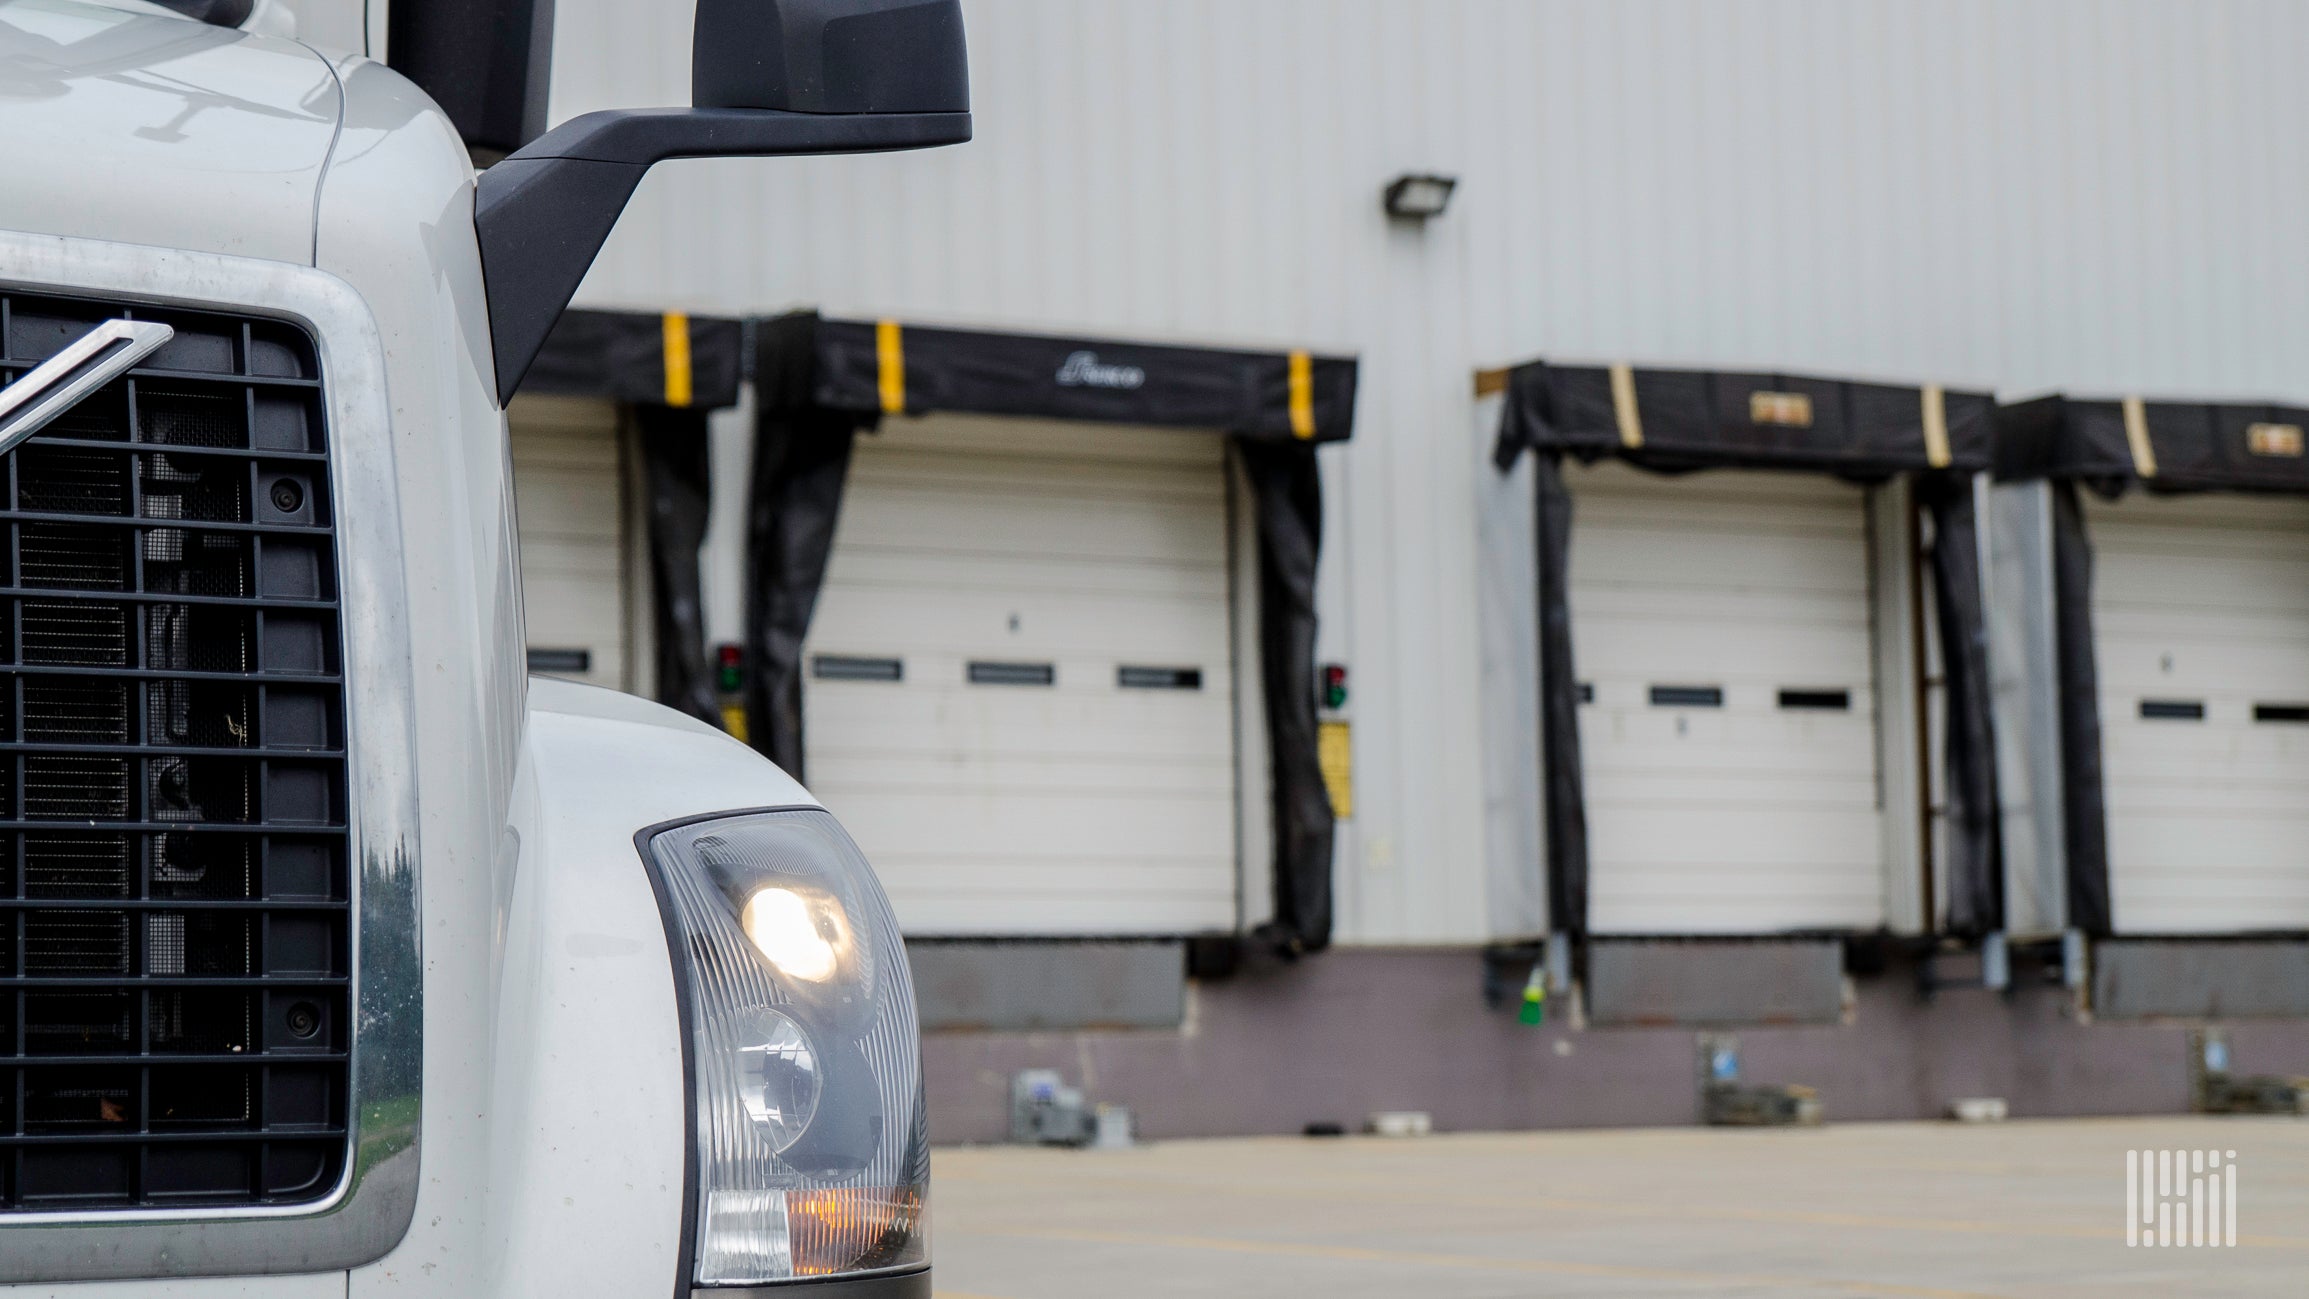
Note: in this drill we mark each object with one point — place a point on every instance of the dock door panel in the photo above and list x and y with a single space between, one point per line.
1019 682
2201 611
1721 630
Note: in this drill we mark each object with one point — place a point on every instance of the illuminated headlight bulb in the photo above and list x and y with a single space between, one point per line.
778 1077
804 935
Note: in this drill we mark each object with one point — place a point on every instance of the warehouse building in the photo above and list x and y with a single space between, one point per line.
1737 702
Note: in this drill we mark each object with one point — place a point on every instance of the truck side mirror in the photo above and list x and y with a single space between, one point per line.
830 56
769 78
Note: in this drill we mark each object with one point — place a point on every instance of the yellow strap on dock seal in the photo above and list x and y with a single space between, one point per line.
677 365
1335 758
1935 426
1623 407
1302 396
2137 435
890 351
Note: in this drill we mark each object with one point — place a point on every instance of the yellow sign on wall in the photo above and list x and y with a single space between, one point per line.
2273 439
1786 409
1335 753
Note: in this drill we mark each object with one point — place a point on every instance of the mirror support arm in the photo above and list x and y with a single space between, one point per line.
543 212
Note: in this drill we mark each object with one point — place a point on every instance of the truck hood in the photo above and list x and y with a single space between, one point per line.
123 121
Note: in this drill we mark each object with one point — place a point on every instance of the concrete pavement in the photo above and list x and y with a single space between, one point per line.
1915 1209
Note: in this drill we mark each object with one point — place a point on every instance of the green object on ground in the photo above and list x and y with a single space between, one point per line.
1534 1009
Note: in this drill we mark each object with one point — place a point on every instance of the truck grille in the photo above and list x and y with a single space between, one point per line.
174 956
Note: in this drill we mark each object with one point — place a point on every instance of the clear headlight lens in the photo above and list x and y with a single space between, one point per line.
813 1154
778 1076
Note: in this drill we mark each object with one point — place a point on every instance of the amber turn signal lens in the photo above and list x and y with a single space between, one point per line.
847 1229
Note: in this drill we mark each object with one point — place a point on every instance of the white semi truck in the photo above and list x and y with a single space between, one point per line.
336 956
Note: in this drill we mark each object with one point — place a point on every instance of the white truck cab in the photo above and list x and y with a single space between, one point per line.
337 957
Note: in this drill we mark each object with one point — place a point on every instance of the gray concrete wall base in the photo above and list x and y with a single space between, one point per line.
1042 987
1338 1036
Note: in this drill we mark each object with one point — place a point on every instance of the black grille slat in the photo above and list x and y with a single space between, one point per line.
179 750
76 943
173 903
71 556
61 984
192 489
203 1021
101 418
192 416
67 481
190 674
82 633
189 868
91 866
253 378
82 710
204 1098
171 827
96 1098
100 526
77 1023
72 788
52 436
106 1133
175 972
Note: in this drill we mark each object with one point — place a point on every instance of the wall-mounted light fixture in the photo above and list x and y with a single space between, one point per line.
1416 198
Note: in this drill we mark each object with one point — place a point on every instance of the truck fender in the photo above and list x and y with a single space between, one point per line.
589 1130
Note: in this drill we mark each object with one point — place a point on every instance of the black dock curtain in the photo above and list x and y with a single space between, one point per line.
1975 902
801 457
812 379
1677 421
1564 794
2084 813
677 477
1287 496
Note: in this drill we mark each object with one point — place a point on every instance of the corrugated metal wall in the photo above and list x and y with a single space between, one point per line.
2096 194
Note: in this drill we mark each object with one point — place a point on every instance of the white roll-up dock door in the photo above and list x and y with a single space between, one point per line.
570 504
1721 628
1019 689
2201 614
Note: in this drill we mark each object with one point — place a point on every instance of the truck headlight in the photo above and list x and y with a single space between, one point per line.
812 1149
805 935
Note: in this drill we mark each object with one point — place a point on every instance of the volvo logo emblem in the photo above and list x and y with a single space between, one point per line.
1082 370
86 364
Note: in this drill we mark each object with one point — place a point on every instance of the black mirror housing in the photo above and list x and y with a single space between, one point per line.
773 78
830 56
487 63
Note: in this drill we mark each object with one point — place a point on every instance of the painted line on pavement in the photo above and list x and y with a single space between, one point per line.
1543 1267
